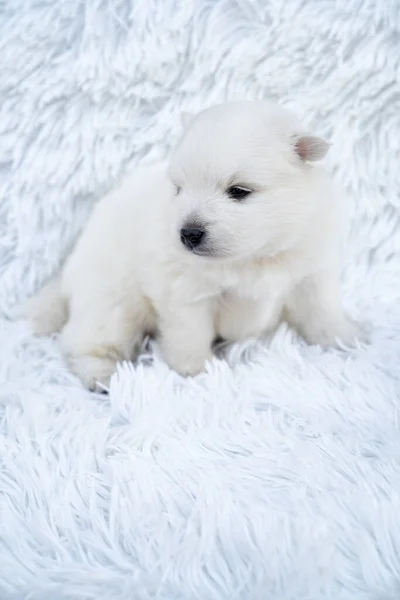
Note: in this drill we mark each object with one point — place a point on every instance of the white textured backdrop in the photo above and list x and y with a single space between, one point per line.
276 477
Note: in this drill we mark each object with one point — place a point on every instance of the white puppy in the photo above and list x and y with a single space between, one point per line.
239 231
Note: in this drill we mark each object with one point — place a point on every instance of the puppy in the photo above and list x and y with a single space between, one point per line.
239 231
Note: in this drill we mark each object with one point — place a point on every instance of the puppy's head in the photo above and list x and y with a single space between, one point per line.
242 177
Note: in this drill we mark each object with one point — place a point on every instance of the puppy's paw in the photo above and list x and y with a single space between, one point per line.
335 333
187 364
94 372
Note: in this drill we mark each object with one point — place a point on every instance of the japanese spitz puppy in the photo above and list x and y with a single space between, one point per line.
239 231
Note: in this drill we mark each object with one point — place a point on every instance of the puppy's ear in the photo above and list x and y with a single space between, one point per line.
186 119
311 148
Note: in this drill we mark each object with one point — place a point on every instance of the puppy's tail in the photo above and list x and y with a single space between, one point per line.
47 311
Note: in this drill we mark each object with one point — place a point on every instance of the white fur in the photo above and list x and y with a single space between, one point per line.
273 254
274 475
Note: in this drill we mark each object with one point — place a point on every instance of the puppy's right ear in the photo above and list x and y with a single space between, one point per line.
311 148
186 119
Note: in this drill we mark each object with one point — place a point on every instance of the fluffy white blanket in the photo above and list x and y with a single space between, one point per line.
273 477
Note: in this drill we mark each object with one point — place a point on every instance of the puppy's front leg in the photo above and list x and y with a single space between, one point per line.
186 335
242 318
315 309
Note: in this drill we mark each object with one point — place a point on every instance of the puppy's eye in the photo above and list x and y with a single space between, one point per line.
177 190
237 192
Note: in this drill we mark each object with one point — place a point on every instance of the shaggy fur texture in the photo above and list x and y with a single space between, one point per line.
273 477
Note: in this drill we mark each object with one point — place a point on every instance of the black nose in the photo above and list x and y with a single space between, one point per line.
192 237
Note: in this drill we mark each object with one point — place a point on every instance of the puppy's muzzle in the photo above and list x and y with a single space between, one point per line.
192 237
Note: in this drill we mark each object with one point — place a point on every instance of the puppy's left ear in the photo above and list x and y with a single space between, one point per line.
311 148
186 119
